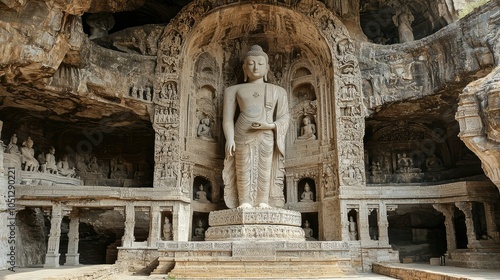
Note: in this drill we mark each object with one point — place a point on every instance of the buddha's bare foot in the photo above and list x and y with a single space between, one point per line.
264 205
245 206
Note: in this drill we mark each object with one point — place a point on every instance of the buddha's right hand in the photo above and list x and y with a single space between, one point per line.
230 148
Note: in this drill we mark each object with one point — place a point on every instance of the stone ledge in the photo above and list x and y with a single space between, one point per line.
410 273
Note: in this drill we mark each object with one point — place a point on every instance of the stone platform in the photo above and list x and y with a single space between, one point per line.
255 223
257 259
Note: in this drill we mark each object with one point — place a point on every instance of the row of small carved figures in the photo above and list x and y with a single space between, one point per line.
147 93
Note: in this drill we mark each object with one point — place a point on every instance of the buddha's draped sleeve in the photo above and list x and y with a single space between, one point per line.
282 118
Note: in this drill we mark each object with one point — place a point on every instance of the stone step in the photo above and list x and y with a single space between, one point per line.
475 258
258 269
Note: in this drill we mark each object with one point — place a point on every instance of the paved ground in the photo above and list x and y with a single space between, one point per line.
466 273
69 273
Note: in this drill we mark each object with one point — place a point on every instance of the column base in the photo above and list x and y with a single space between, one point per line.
51 261
72 259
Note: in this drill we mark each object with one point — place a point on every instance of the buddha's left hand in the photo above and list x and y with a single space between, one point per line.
263 125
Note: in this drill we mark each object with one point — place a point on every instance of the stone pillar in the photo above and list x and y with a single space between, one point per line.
491 229
154 225
128 234
466 207
383 225
448 211
290 188
72 257
52 256
363 224
181 217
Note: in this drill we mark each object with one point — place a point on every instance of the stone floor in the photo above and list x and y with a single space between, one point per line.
107 272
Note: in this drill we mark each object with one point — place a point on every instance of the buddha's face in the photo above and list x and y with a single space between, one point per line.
255 67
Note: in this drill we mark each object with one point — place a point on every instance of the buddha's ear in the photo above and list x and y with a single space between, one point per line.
265 78
245 77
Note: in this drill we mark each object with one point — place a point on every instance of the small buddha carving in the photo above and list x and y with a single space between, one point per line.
353 229
12 148
50 161
204 131
307 195
433 163
308 232
199 232
28 156
64 168
201 195
308 129
167 229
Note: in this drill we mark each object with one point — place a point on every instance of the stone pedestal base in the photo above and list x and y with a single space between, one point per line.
255 224
249 260
72 259
51 261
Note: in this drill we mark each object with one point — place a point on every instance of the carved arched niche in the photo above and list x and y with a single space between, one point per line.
296 37
205 114
200 182
303 105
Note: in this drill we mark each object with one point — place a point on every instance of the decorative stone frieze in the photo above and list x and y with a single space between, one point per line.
242 216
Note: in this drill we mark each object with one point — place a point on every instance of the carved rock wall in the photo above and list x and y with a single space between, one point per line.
31 237
443 62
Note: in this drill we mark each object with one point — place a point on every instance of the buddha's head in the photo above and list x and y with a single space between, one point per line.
255 64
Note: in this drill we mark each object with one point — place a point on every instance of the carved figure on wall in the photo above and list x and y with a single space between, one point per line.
167 229
328 179
100 24
376 169
353 229
204 129
199 232
148 96
405 163
80 166
28 156
307 195
64 168
308 129
12 148
93 166
250 141
433 163
133 91
185 179
201 195
118 168
308 232
403 19
50 161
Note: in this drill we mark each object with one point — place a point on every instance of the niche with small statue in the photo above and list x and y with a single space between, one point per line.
203 130
310 225
202 190
306 190
352 217
303 103
199 225
166 226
